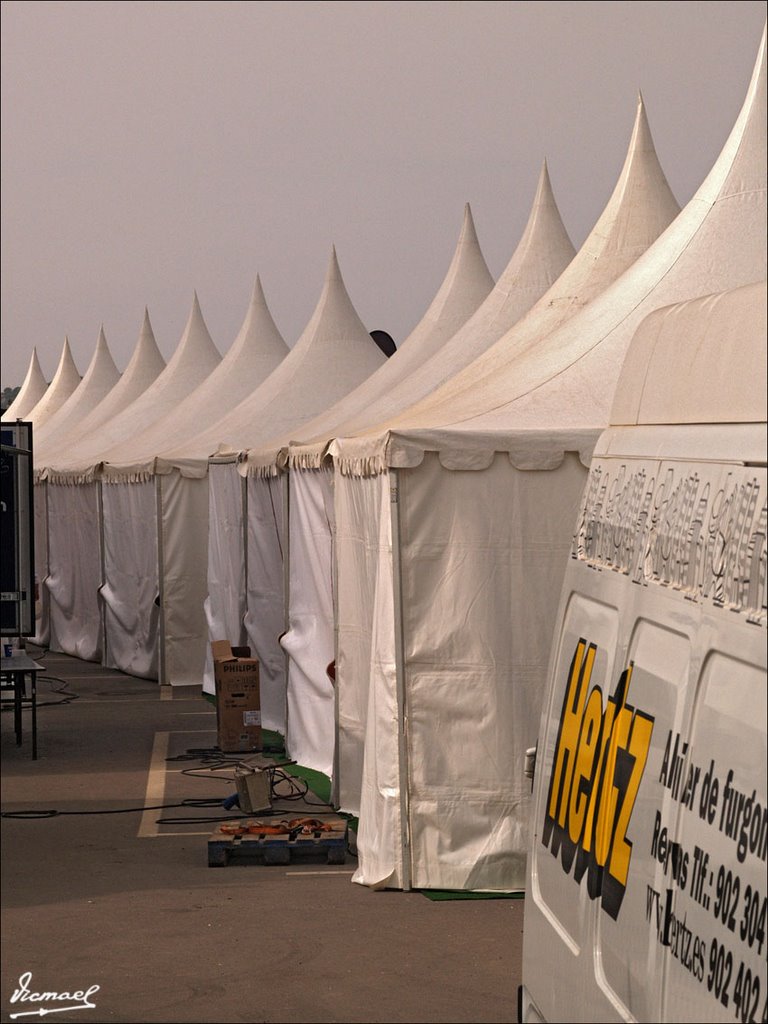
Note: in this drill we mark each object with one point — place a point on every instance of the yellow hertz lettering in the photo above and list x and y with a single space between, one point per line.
599 760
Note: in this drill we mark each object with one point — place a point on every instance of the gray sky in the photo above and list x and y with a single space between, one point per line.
149 149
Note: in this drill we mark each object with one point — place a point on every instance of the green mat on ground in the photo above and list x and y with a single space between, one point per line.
319 783
274 742
462 894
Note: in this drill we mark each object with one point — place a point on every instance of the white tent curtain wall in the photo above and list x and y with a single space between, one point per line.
454 695
225 605
364 614
183 588
122 568
74 569
265 619
246 594
131 591
42 605
309 641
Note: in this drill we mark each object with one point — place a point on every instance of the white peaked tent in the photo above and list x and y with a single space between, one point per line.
332 356
30 392
257 350
99 379
464 288
467 314
69 619
144 367
462 317
639 207
129 535
467 282
485 479
194 360
64 382
68 517
309 638
255 353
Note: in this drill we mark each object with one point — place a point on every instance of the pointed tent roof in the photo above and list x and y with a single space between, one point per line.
144 367
639 208
30 392
466 284
195 358
717 243
256 351
543 253
334 354
100 377
64 382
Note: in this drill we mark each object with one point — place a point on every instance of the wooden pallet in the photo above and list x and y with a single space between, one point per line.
254 847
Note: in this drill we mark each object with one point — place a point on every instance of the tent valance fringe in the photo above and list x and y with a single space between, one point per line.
361 465
128 476
264 464
264 472
68 478
307 459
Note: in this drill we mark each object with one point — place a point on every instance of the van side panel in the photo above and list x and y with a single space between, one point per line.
716 923
584 661
647 896
658 658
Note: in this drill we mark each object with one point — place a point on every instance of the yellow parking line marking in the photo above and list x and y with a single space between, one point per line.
155 793
156 776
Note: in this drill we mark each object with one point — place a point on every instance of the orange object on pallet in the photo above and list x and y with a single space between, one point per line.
303 826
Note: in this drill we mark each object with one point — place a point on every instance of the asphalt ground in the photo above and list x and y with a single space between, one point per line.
129 904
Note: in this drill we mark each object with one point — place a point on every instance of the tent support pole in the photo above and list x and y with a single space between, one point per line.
43 583
160 581
243 637
335 796
102 568
402 715
284 482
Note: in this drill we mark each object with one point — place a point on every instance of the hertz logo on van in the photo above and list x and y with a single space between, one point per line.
598 763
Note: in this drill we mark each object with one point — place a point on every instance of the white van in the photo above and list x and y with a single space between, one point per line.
646 897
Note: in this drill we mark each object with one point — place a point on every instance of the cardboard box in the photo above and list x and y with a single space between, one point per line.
238 704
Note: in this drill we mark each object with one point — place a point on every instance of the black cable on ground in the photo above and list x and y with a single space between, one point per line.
205 754
298 790
64 690
31 815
